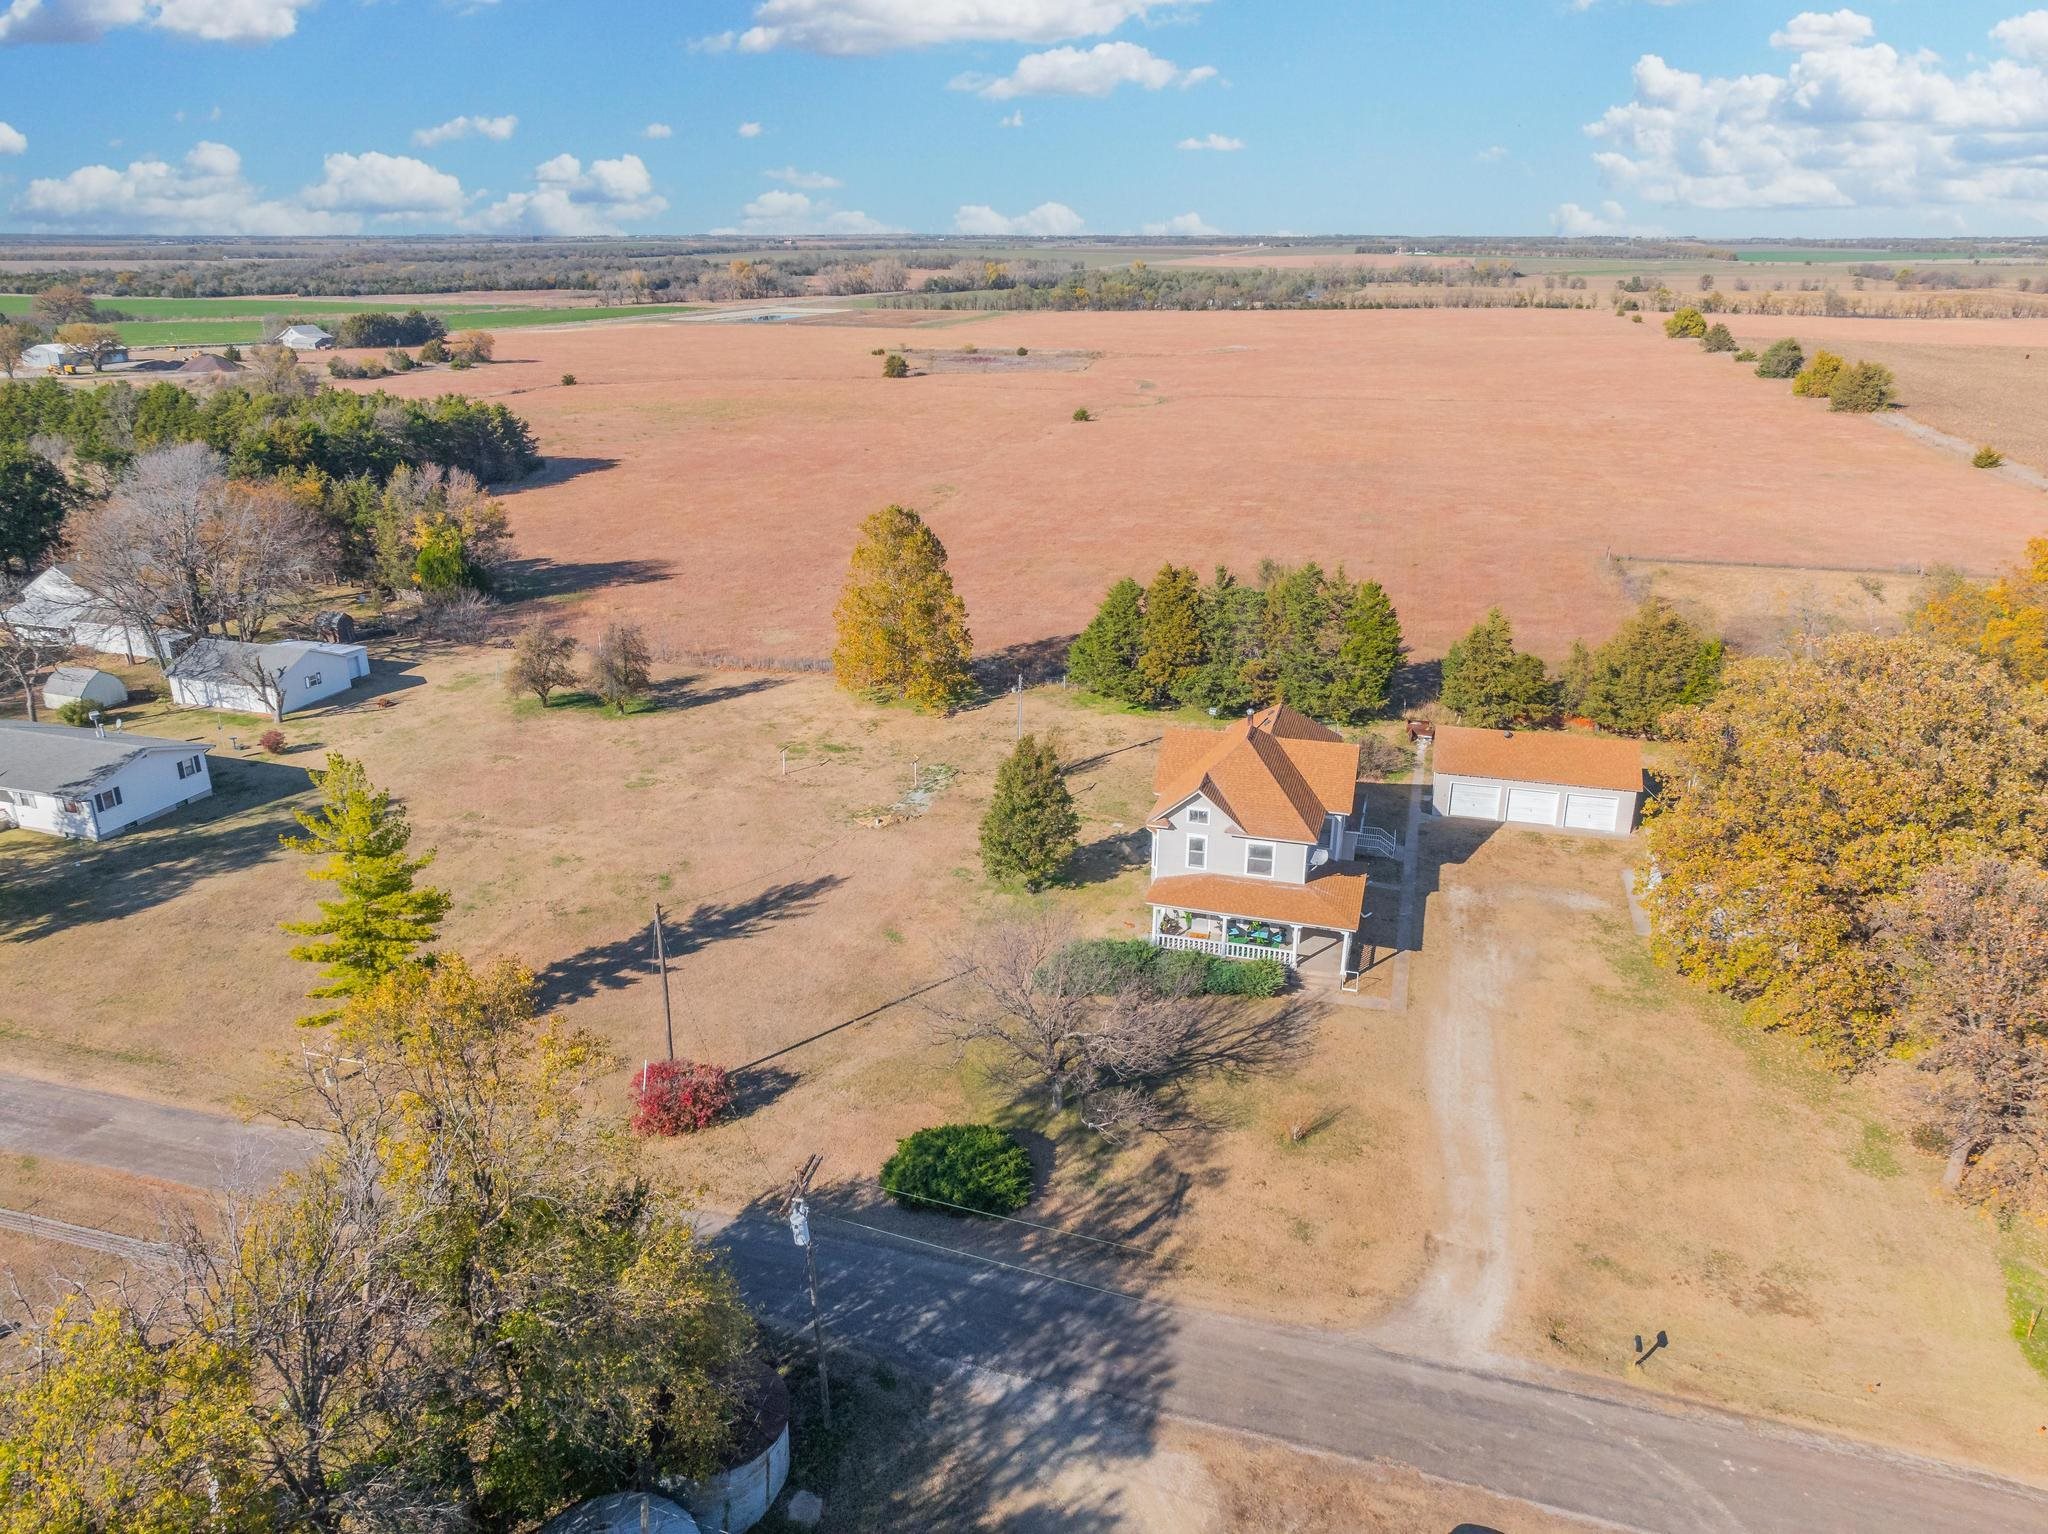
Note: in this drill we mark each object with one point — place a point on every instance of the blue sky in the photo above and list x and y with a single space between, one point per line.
1723 117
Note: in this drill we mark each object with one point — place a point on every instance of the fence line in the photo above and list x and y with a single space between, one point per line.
1779 564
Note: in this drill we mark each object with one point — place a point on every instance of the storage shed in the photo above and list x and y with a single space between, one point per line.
1538 778
68 684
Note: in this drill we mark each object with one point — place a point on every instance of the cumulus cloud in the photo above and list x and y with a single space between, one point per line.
1084 72
499 128
1850 123
750 130
1048 218
1221 143
204 193
215 21
569 199
787 213
12 139
879 26
385 186
657 130
808 180
1570 218
1184 223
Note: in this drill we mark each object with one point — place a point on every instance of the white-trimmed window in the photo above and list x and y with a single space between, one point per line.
1258 859
312 681
1197 816
106 799
191 767
1198 852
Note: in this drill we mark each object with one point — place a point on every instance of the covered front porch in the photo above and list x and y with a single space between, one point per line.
1241 937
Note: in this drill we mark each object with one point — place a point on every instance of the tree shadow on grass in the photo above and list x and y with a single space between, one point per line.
616 964
48 884
558 469
1040 660
679 692
1098 862
527 579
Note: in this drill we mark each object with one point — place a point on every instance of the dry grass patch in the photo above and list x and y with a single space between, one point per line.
1676 1171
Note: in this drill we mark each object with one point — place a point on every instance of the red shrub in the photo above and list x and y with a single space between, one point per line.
271 741
679 1097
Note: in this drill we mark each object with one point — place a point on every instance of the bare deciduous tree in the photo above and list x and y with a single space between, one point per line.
461 616
146 551
1969 951
266 547
26 650
276 370
541 660
619 664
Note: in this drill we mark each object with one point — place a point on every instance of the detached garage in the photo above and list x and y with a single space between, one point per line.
1538 778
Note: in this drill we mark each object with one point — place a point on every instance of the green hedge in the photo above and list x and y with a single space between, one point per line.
1101 965
975 1168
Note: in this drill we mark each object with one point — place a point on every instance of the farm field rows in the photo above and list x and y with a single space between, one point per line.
707 479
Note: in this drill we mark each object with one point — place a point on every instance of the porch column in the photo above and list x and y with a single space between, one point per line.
1155 924
1293 945
1344 959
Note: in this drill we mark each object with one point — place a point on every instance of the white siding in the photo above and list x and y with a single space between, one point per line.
1227 847
149 786
1499 799
317 674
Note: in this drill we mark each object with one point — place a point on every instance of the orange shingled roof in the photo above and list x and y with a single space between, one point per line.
1329 900
1540 756
1277 773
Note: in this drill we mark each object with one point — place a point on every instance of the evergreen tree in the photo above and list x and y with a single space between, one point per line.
1299 639
1104 659
1647 669
1030 829
1576 677
1233 617
1368 656
1171 652
34 498
378 921
1487 682
1781 359
902 629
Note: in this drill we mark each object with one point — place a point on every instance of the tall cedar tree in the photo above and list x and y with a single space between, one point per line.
1575 678
1655 662
1368 657
1812 791
1487 682
34 498
1233 619
1298 640
618 666
1030 829
378 921
1171 653
1104 658
902 629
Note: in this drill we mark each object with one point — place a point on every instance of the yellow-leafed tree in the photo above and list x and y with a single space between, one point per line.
2005 621
902 628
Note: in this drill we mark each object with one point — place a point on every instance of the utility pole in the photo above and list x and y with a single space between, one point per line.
797 1209
668 1017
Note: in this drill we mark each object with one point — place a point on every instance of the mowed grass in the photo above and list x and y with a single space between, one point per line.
227 321
1675 1170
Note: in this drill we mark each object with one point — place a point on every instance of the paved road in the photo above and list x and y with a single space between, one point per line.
1629 1459
128 1134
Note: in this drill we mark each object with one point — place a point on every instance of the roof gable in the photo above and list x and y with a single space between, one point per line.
1276 773
1540 756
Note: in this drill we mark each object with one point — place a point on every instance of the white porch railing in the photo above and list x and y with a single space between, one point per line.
1222 949
1376 842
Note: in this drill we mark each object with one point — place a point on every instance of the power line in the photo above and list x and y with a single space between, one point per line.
1076 1235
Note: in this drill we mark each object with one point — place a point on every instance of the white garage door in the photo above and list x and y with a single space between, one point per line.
1533 806
1592 812
1477 801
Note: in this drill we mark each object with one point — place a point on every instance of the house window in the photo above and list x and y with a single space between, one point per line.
1258 859
192 766
106 799
312 681
1198 852
1198 817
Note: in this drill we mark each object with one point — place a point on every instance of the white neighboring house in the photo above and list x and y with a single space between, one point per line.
56 608
91 783
61 357
1538 778
72 684
305 338
271 679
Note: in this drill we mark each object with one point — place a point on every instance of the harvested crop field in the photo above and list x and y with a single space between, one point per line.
708 479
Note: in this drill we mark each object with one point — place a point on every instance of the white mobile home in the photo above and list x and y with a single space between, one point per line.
264 678
55 607
1538 778
91 783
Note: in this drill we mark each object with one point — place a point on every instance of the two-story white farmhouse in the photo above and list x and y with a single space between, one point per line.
264 678
91 783
1253 837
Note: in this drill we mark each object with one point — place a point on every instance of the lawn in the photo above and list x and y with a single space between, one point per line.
800 933
221 321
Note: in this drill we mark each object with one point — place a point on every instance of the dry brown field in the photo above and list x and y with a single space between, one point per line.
708 478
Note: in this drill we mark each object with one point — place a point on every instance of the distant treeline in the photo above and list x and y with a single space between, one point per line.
1041 285
332 434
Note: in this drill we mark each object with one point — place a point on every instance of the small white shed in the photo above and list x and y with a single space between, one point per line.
305 338
1538 778
70 684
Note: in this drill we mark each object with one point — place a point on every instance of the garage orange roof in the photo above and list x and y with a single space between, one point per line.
1332 900
1540 756
1276 773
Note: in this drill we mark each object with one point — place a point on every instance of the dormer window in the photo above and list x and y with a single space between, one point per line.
1198 817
